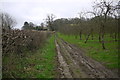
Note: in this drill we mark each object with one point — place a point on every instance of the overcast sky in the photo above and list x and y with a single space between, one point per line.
36 10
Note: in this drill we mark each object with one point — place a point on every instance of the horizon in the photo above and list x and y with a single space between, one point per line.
37 11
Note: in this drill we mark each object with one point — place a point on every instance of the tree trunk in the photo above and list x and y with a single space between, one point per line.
102 41
92 33
80 34
87 38
102 38
92 36
99 38
100 35
115 36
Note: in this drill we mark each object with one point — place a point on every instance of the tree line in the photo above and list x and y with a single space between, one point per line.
103 19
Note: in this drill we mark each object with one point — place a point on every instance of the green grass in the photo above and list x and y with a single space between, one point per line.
40 64
93 48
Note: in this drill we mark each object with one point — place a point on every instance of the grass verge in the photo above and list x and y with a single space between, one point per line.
40 64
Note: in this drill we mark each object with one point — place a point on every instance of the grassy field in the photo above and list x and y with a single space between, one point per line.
40 64
93 48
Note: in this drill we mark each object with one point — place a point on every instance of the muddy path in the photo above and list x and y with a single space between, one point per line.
74 64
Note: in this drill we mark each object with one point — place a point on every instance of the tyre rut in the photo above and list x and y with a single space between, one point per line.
79 65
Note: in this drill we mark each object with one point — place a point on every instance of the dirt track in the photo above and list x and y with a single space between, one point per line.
74 64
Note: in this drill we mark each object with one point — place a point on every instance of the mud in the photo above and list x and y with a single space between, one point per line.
74 64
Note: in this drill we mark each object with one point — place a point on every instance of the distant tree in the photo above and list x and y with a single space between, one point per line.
49 21
116 15
26 25
37 28
81 23
89 24
42 25
7 22
31 25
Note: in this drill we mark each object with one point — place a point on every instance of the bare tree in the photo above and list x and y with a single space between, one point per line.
81 24
7 21
89 25
49 21
103 9
116 12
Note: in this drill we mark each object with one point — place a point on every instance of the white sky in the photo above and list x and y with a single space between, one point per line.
36 10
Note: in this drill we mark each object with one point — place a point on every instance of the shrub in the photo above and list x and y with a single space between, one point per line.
18 41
